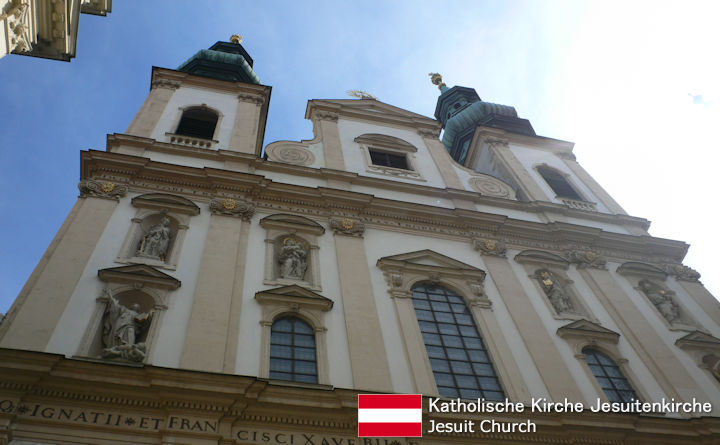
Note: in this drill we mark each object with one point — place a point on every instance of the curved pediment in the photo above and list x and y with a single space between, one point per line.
641 269
287 221
385 141
542 258
161 201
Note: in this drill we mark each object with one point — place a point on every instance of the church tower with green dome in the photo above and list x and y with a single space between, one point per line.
461 111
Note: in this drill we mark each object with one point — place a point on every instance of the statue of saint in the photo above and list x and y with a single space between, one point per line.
555 292
662 300
156 241
122 327
292 259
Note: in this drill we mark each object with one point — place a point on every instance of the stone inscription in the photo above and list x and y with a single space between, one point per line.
269 437
101 417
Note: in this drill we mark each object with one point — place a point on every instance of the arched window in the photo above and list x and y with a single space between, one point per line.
614 384
457 353
292 351
197 122
558 183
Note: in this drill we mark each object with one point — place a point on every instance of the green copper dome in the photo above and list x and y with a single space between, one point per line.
223 61
461 110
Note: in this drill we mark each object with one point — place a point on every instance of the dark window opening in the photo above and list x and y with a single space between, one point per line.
612 381
559 184
389 159
292 351
458 356
197 122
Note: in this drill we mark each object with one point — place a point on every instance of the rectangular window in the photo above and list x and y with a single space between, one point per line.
389 159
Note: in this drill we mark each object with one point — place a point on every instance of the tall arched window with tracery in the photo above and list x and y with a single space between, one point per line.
458 356
613 382
293 351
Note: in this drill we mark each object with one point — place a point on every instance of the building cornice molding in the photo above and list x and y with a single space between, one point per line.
143 175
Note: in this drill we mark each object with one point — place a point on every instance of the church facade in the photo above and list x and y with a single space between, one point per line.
208 290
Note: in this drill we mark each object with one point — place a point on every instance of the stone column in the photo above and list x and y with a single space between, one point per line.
33 317
368 357
211 339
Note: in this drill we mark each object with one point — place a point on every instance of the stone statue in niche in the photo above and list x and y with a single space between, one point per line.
122 328
555 291
662 300
156 241
293 259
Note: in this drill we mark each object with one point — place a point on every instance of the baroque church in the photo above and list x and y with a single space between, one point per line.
206 289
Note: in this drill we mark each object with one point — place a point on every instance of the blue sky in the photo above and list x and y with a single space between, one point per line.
616 78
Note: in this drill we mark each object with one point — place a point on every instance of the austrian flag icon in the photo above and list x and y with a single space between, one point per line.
389 415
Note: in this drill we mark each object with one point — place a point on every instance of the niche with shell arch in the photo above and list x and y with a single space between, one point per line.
291 251
157 230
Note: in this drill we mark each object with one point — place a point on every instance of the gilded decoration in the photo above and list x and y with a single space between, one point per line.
347 226
101 189
682 272
586 259
232 207
489 247
556 292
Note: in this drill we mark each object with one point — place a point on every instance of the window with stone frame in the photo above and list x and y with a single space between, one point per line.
458 355
198 122
293 351
559 183
613 382
387 159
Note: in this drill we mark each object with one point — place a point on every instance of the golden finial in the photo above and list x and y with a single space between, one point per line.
436 79
236 38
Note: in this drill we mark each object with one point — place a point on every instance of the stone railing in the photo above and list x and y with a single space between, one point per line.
190 140
579 205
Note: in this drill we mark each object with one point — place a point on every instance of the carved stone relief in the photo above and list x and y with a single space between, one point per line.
556 291
489 247
290 153
292 258
490 186
347 226
98 189
19 37
156 241
662 299
251 98
232 207
682 272
587 258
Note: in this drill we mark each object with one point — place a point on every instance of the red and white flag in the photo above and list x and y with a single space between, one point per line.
389 415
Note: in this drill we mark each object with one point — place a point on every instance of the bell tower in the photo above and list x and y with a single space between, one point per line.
214 100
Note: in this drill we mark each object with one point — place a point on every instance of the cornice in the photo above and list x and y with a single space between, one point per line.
143 175
187 79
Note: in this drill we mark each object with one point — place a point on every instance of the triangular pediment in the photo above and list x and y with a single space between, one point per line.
428 257
294 294
699 340
370 109
139 273
587 329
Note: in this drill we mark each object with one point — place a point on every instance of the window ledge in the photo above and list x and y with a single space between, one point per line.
190 141
394 172
579 205
299 384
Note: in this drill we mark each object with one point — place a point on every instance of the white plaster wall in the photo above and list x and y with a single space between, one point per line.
354 161
167 349
225 103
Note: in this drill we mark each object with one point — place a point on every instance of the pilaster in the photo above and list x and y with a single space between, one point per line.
146 120
368 357
244 136
546 357
31 321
